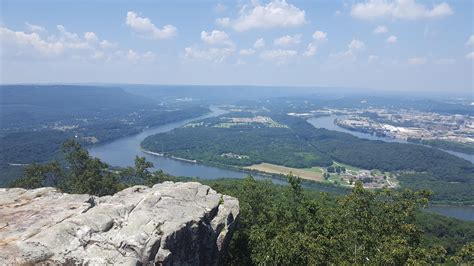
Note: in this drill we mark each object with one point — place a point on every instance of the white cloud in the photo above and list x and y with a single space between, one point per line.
391 39
288 40
64 45
90 37
470 41
28 43
353 48
246 52
355 45
216 37
310 50
380 29
223 22
34 28
106 44
470 56
277 13
259 43
133 56
417 61
320 35
278 55
211 54
146 29
372 58
399 9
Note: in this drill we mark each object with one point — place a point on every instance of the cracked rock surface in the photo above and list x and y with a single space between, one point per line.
170 224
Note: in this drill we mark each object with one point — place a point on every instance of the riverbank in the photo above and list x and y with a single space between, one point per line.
328 122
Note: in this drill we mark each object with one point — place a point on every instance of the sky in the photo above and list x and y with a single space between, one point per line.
393 45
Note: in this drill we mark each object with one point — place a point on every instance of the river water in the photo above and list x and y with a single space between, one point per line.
463 213
327 122
122 152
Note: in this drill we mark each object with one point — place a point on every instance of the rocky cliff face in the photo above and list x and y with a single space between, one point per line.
171 223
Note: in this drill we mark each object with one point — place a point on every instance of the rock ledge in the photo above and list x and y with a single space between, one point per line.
170 223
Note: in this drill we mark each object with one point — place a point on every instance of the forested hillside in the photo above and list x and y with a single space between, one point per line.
300 145
36 120
283 225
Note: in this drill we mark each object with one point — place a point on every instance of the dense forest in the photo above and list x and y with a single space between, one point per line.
301 145
446 145
282 225
36 120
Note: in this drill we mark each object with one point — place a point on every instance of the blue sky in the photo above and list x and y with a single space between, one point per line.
399 45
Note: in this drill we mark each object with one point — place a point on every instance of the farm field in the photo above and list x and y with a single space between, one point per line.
310 173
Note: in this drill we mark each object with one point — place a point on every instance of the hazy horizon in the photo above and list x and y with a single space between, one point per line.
400 46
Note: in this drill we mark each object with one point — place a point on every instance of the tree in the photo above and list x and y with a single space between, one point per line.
331 169
141 167
40 175
374 227
87 175
465 254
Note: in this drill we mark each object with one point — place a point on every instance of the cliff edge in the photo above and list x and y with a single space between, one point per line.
170 223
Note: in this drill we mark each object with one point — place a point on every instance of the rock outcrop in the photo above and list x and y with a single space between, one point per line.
170 223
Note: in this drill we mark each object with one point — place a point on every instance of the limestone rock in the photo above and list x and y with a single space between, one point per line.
170 223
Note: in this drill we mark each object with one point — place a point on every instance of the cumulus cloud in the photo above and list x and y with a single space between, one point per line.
246 52
209 54
63 44
223 22
353 48
380 29
470 41
470 56
277 13
20 43
34 28
320 35
288 40
311 50
146 29
417 61
278 55
391 39
259 43
372 58
399 9
355 45
216 37
134 56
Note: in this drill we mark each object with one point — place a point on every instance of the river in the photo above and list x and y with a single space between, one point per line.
122 152
463 213
327 122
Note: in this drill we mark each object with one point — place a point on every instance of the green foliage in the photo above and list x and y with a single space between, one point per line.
37 175
32 117
86 175
280 146
465 254
303 146
446 145
290 226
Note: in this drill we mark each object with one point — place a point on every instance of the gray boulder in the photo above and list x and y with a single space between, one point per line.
170 224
